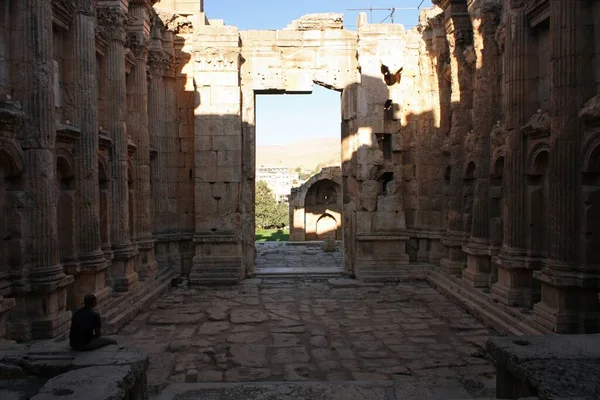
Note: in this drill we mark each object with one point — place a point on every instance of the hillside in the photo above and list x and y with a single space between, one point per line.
306 154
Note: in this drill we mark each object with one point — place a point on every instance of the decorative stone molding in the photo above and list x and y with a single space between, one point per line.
159 62
537 11
112 23
318 22
589 149
464 37
138 44
177 23
11 117
469 56
537 149
590 113
63 10
12 153
470 142
498 138
538 125
67 134
87 7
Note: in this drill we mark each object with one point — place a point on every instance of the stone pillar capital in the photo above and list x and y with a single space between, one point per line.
138 43
85 7
160 62
112 23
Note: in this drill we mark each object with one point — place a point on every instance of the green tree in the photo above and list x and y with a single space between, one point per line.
269 213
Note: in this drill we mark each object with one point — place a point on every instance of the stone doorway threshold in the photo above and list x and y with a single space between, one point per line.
298 259
404 388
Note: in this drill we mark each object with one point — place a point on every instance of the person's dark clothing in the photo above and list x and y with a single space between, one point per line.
85 326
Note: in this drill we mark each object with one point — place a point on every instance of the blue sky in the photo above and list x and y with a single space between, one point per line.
284 119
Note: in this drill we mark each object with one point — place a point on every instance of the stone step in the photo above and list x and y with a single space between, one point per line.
481 306
127 309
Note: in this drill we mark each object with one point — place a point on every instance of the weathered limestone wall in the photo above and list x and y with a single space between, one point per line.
75 159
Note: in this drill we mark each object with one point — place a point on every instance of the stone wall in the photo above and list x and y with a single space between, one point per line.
127 151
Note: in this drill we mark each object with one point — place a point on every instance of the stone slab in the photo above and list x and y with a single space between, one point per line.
408 388
552 366
93 383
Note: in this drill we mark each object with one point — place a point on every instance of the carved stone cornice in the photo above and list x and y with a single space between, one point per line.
174 22
62 12
537 11
86 7
112 24
538 125
590 113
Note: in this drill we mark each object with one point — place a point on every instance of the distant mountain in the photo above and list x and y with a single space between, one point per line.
307 154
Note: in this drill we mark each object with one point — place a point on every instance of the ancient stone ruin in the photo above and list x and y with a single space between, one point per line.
316 207
470 154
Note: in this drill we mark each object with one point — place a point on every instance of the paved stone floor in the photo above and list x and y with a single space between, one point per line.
305 329
305 258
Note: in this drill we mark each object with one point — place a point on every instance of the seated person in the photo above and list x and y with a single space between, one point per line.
85 334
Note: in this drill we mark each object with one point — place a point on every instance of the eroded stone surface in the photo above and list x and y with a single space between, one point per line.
311 330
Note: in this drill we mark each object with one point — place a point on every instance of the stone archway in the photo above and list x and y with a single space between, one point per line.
230 68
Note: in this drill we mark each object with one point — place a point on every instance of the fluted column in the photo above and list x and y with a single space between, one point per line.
85 92
569 292
485 113
459 35
512 260
45 274
138 42
122 273
157 64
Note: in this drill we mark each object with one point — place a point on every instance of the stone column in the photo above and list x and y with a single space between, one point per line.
92 276
122 273
459 34
137 117
512 260
41 312
486 107
569 292
157 65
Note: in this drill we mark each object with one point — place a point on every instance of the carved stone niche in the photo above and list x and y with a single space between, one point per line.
537 11
538 126
590 113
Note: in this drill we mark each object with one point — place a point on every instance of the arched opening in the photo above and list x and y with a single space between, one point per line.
104 186
11 244
591 199
468 196
322 198
538 203
65 193
131 203
327 227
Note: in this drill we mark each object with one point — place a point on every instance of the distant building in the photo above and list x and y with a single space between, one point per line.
279 179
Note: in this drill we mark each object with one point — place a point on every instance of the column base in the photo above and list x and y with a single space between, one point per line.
217 261
40 314
5 305
454 260
122 276
477 273
147 266
516 285
570 302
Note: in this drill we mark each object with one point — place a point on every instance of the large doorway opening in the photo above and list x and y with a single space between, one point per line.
298 183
